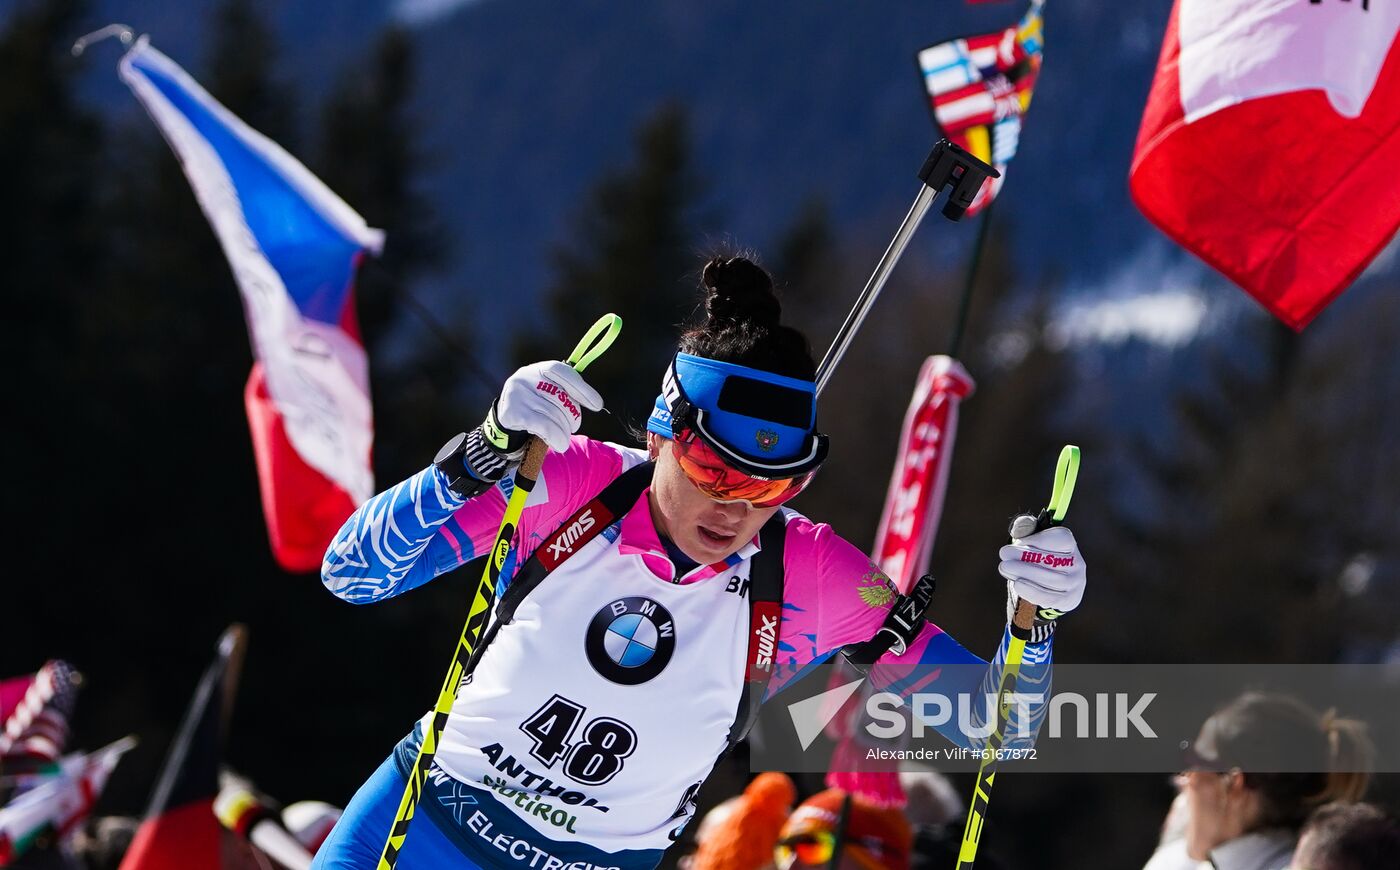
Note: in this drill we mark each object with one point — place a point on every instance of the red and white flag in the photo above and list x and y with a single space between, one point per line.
914 502
1270 145
58 803
294 247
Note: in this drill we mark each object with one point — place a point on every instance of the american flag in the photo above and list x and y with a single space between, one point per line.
36 717
980 86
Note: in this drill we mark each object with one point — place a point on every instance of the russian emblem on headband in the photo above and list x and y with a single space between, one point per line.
766 439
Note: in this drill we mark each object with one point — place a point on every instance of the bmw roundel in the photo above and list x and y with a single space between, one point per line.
630 640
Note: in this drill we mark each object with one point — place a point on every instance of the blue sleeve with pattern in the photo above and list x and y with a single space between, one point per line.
391 544
1032 683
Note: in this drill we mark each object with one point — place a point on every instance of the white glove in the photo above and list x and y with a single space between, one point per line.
1045 568
546 400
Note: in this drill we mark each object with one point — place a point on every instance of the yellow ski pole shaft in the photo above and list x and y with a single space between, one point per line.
597 340
1066 473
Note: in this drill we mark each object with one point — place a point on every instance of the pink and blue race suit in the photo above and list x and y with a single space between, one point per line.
584 731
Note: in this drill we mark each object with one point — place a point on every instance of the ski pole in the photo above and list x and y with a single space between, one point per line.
947 166
598 339
1066 472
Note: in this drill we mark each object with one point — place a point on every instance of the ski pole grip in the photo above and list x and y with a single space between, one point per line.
599 338
1024 617
595 341
1066 475
530 466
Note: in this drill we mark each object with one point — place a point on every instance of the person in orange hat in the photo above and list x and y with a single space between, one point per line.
740 833
837 830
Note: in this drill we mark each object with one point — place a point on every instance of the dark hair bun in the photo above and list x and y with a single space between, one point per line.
741 322
740 291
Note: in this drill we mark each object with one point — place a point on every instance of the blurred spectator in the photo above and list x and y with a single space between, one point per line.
836 829
740 833
103 841
1235 810
1171 847
310 822
1342 836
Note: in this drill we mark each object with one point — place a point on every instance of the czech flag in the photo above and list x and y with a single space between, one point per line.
294 247
1270 145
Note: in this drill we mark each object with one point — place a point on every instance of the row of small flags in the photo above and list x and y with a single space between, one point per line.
50 793
199 814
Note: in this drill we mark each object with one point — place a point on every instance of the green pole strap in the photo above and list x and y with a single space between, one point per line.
1066 473
603 332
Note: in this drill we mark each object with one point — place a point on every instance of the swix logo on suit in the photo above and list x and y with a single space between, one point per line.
558 392
575 533
1049 560
763 640
563 543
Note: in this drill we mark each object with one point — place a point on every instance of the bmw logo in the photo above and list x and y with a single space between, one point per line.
630 640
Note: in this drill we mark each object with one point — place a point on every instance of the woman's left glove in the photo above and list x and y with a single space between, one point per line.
1045 568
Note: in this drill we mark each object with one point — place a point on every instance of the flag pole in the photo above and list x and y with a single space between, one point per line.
970 283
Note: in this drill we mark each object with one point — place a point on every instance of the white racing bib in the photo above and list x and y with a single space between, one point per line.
596 712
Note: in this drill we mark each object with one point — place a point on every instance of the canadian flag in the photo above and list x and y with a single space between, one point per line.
1270 145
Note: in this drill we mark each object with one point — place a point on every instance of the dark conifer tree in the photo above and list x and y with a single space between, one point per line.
636 250
241 71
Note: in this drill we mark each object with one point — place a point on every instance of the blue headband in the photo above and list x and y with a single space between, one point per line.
762 423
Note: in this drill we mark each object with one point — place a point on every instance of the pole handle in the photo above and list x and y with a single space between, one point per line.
594 343
600 337
1024 617
947 166
535 453
1066 475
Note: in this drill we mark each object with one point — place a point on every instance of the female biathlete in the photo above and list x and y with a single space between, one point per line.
649 591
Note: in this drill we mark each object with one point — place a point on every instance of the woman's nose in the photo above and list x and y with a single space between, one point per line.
733 510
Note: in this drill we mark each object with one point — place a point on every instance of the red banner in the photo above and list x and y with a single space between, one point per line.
915 499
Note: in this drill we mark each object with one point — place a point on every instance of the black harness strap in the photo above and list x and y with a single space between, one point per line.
902 625
765 615
586 524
